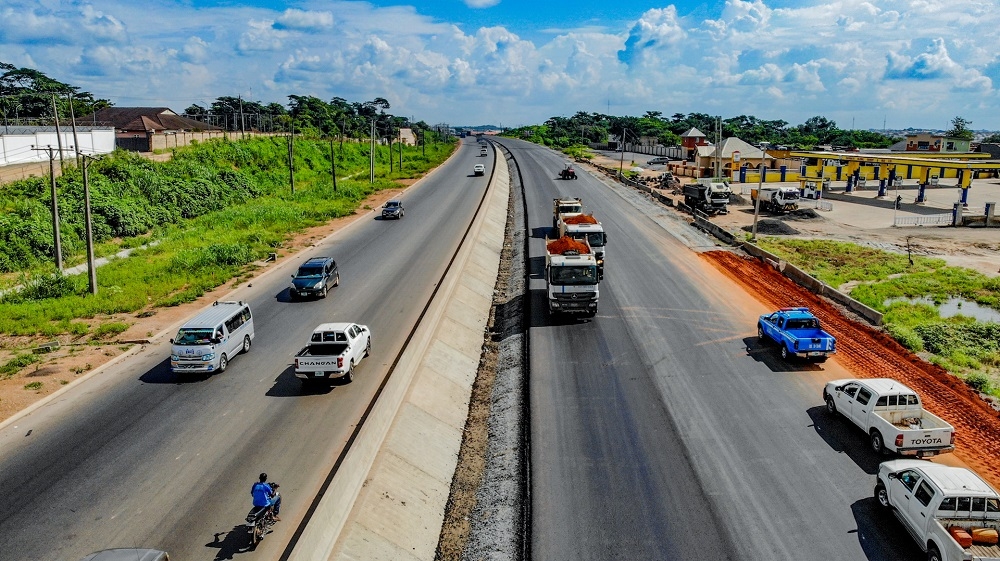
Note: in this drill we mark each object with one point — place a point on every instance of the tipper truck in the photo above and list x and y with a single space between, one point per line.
565 207
571 277
710 197
584 227
778 200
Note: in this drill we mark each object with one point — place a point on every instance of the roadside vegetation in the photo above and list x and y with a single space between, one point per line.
212 211
910 295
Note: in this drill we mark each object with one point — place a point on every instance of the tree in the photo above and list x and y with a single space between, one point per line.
992 139
960 129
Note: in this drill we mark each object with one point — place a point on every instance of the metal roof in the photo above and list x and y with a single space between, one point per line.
214 315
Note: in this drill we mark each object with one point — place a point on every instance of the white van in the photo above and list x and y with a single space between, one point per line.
212 338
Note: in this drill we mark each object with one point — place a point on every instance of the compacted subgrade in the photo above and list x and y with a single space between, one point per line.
870 353
484 519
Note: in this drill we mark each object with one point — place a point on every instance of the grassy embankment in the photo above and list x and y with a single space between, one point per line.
213 210
960 344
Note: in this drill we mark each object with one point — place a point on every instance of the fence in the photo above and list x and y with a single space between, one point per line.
925 220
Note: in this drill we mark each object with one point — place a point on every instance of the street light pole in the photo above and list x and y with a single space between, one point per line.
91 266
760 186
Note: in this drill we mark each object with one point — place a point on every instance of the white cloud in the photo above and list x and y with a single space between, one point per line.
833 57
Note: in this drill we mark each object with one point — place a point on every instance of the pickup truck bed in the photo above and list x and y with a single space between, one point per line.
323 350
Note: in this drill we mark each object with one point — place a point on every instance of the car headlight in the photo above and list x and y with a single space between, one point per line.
175 358
319 284
555 304
208 357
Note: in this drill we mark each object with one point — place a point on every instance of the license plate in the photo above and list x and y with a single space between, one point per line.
318 374
815 354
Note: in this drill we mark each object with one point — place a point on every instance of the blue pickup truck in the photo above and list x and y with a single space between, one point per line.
798 334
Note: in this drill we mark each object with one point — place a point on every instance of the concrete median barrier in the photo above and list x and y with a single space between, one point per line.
388 497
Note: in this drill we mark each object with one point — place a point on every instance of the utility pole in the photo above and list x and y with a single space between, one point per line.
389 137
291 161
333 166
243 130
72 117
371 156
91 266
400 132
760 192
621 164
55 115
55 204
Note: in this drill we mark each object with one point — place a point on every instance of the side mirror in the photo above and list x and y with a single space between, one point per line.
171 341
216 341
838 388
893 475
293 276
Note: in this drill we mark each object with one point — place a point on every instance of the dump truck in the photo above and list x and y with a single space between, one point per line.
710 197
571 277
565 207
584 227
778 200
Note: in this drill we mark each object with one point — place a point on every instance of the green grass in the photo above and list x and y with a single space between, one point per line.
110 329
961 345
203 241
14 365
33 386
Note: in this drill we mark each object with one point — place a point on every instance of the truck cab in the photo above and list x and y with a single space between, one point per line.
571 277
565 207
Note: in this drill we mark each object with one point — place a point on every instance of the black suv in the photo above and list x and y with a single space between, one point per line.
314 278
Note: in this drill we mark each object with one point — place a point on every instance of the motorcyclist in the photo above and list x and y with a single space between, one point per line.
266 495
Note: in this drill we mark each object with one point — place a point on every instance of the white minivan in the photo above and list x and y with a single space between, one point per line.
208 341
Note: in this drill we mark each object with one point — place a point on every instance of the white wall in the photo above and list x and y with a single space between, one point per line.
19 148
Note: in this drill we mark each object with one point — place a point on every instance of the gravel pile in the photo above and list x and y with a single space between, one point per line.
772 227
802 214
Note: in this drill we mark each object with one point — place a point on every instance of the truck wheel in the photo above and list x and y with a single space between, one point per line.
368 347
933 554
349 376
877 444
337 282
881 495
784 352
223 363
831 406
760 333
246 344
325 290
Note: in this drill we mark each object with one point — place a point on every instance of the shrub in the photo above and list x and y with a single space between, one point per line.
110 329
979 382
14 365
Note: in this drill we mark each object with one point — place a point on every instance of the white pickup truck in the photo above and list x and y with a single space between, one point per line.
951 512
333 351
891 414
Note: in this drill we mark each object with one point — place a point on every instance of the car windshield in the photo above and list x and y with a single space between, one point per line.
392 204
306 272
567 276
596 239
193 337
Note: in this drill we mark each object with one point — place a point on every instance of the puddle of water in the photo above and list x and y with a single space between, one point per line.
954 307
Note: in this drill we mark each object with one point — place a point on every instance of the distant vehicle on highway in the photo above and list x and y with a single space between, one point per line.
567 172
658 161
314 278
479 169
333 351
393 209
798 334
210 339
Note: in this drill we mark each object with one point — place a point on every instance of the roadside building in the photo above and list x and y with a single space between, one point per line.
145 129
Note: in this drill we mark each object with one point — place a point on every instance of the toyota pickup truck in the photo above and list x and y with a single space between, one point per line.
798 334
333 351
892 416
951 512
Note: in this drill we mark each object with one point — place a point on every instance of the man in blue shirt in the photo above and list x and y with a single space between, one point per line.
265 494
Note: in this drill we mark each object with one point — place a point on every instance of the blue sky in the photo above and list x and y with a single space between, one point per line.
908 63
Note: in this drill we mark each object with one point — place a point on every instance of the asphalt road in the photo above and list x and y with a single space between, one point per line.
136 457
655 434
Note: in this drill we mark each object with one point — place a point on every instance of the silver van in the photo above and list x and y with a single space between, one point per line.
212 338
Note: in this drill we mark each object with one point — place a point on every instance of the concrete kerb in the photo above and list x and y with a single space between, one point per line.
388 497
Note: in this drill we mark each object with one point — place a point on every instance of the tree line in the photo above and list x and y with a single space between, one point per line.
585 128
26 97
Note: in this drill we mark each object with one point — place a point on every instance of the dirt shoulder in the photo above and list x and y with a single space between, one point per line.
76 356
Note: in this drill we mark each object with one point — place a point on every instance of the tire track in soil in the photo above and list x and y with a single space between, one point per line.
870 353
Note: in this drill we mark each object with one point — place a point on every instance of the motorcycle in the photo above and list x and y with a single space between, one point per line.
260 519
